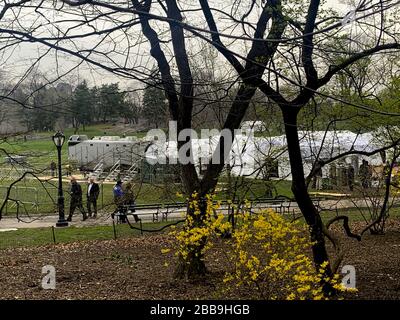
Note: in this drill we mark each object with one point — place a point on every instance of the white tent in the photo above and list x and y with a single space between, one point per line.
248 153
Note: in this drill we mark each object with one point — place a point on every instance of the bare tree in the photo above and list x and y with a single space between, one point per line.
271 46
307 63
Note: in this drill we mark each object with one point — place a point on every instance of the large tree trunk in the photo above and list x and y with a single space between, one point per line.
303 199
194 267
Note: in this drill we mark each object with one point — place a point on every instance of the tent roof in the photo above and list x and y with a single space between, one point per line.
333 142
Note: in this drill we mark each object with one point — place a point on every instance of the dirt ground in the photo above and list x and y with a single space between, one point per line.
377 262
135 268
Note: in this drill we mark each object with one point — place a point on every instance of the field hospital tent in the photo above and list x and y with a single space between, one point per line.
249 153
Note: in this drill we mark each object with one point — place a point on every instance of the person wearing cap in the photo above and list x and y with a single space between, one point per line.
118 194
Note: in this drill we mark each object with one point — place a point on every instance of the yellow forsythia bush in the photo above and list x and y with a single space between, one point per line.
269 260
196 237
269 257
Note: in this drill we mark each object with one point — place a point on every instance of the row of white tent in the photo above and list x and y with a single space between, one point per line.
249 153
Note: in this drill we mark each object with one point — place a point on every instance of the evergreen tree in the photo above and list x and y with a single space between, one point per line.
82 106
110 102
154 106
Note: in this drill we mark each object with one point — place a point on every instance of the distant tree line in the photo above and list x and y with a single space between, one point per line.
40 106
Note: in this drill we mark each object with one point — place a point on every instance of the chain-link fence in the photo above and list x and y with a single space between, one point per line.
43 199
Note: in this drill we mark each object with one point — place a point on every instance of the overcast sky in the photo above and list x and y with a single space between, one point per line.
57 64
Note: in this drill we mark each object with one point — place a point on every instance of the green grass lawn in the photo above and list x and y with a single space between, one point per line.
41 150
247 188
355 214
42 236
30 191
45 194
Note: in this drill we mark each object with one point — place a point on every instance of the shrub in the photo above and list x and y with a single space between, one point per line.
269 257
269 260
198 231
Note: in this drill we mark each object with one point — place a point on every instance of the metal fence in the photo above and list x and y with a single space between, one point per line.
26 237
34 200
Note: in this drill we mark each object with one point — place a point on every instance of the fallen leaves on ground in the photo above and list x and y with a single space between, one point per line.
142 268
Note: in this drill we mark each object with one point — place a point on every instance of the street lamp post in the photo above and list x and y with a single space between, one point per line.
58 140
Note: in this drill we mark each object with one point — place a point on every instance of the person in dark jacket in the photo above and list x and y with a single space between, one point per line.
129 199
350 177
76 200
53 168
118 194
93 192
365 174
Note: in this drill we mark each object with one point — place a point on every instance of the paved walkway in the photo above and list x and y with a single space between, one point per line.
48 221
173 214
102 219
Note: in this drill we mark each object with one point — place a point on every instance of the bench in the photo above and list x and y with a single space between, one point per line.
119 214
282 205
163 209
158 209
154 214
170 208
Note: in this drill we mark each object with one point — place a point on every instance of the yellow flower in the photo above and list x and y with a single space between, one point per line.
267 253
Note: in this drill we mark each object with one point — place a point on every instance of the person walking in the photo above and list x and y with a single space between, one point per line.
118 194
332 176
369 175
68 170
350 177
365 174
129 199
76 199
93 192
318 179
53 168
